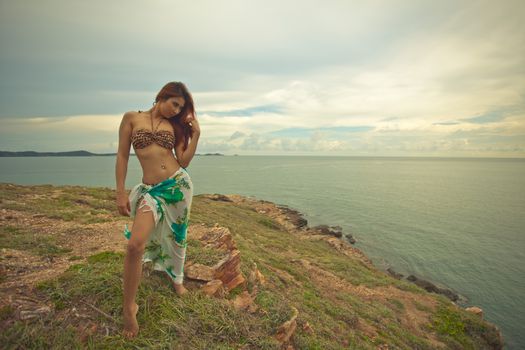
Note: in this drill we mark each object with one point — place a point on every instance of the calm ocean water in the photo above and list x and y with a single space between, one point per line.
458 222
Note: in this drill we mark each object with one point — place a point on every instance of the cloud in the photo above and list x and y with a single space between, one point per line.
415 77
256 142
237 135
78 123
496 115
246 112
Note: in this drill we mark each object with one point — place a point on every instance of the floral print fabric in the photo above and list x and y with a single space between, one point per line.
170 202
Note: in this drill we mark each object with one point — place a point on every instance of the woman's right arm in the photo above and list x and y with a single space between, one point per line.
121 167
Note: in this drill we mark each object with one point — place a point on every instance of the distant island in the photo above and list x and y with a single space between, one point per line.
73 154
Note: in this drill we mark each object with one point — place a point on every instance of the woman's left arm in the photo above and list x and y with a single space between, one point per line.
184 157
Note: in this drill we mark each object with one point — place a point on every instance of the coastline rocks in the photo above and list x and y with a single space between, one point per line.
395 274
335 231
350 238
219 197
498 340
430 287
294 216
475 310
426 285
329 230
290 219
293 220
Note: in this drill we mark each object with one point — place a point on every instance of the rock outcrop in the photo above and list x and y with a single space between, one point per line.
227 270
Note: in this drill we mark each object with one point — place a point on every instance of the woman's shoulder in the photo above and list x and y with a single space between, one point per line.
132 114
131 117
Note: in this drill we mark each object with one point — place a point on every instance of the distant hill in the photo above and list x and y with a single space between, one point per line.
72 154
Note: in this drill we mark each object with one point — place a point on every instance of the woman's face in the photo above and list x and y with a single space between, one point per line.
172 106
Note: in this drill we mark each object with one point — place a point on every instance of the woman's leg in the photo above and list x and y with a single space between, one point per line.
143 224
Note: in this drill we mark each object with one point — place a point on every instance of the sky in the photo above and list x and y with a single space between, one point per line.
350 78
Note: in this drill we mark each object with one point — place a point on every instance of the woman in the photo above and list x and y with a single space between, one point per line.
161 203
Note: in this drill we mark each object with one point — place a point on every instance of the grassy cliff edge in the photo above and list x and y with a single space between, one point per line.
61 284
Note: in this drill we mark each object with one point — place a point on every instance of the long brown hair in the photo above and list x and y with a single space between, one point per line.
178 89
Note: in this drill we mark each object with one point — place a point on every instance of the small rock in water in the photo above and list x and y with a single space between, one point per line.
329 230
350 238
430 287
394 274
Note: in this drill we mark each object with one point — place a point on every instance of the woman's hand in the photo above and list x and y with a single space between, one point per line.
193 123
123 205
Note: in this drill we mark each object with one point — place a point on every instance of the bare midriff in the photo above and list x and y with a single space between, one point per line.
151 159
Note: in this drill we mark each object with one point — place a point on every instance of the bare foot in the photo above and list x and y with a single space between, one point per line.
179 288
131 326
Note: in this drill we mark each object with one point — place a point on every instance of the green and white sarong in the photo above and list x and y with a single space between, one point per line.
170 201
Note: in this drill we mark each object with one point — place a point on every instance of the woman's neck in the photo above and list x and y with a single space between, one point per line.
155 113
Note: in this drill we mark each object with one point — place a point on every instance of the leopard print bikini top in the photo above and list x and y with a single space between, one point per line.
142 138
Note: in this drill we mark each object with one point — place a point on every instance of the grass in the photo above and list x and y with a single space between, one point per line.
15 237
84 205
463 330
206 256
196 321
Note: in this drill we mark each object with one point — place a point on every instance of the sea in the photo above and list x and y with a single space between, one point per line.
456 222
